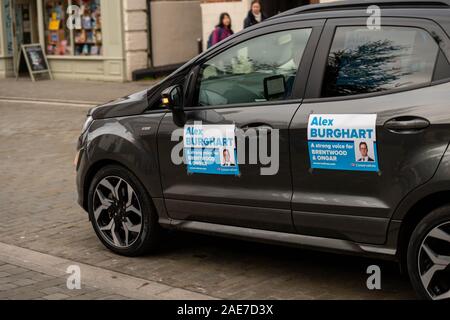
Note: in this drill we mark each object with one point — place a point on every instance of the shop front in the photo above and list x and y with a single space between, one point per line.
93 49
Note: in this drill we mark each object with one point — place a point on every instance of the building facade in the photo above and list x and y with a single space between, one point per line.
110 41
114 38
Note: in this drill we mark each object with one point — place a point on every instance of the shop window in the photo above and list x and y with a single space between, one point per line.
57 35
84 41
88 40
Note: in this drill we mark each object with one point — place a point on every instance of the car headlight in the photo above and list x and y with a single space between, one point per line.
77 159
87 124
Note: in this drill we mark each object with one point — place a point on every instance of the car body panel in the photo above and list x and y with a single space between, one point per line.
440 184
407 161
324 202
133 104
128 141
238 194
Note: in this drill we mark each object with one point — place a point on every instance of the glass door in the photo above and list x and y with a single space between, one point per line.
25 31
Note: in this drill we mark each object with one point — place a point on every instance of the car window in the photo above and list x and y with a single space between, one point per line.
258 70
366 61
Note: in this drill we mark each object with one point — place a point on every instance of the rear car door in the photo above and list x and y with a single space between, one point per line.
373 126
228 89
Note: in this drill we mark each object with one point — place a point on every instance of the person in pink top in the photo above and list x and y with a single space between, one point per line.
222 31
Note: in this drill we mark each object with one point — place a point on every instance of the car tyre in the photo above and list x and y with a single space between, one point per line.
122 213
428 256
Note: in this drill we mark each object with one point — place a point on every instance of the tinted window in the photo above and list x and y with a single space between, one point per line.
258 70
366 61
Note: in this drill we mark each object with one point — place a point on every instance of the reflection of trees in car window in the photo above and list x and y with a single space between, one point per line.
347 71
237 75
363 61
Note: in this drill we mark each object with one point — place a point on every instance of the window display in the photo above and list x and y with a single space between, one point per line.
84 41
88 40
57 35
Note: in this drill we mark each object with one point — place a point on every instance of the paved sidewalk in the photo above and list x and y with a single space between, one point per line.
21 283
27 274
90 92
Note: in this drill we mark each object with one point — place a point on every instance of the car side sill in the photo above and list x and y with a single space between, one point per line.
280 238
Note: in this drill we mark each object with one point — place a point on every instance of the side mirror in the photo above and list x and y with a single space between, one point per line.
172 98
274 87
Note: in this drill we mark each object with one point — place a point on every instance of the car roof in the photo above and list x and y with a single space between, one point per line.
360 4
437 10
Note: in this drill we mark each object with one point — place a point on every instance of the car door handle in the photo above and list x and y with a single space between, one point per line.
407 124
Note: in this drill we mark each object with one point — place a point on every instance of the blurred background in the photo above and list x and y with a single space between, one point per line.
119 40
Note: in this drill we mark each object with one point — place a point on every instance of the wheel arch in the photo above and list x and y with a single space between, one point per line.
90 173
118 143
418 211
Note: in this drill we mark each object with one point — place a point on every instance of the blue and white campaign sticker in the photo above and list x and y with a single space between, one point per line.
343 142
211 149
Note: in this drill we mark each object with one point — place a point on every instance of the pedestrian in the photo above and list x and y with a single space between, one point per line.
255 15
222 31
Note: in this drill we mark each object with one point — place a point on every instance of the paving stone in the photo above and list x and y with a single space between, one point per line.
113 297
16 271
23 282
6 267
56 296
6 280
28 295
7 286
52 290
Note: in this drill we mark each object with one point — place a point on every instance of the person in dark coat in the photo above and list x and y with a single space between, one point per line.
222 31
255 15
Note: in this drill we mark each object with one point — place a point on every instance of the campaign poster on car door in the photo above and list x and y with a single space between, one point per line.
211 149
343 142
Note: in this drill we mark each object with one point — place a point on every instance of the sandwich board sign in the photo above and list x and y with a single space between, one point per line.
35 59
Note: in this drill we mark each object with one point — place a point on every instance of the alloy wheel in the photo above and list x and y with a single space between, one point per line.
434 262
117 212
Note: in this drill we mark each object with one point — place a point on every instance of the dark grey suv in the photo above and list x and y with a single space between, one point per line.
356 117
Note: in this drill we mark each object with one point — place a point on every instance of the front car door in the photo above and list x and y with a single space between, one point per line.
251 84
371 128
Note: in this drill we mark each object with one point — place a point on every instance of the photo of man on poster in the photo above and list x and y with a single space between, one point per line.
364 151
227 159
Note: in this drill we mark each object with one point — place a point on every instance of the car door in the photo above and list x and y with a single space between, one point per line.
226 87
371 127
